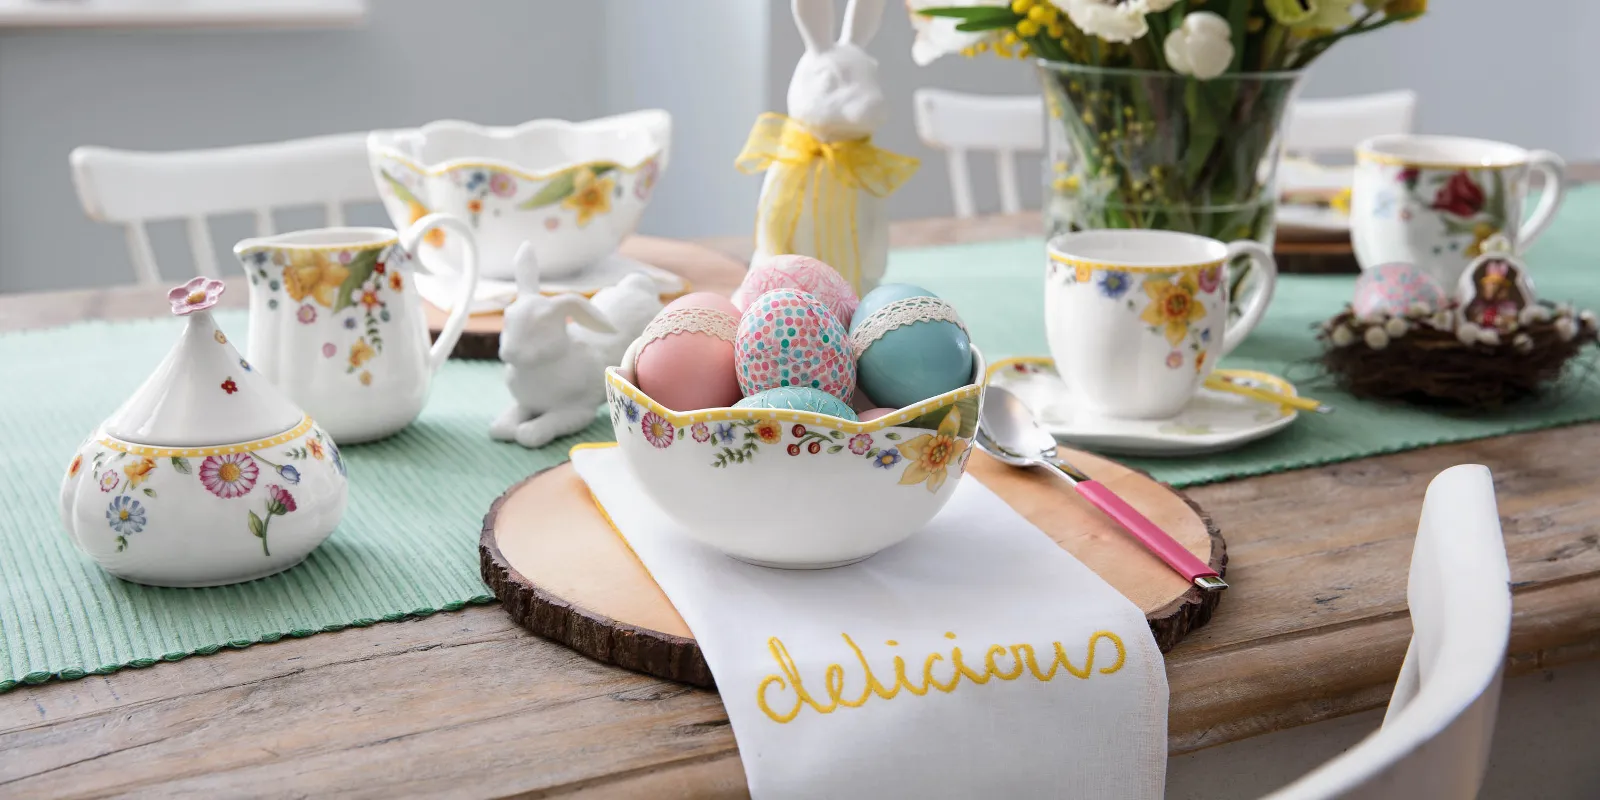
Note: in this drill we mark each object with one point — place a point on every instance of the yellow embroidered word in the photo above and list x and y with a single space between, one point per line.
1022 659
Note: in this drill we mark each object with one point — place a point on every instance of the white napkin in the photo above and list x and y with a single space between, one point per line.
492 295
979 572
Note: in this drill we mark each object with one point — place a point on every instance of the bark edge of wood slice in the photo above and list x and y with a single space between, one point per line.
588 591
705 269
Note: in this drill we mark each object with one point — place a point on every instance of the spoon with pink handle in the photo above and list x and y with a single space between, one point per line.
1008 431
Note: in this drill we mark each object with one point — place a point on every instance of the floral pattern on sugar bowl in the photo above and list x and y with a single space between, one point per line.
572 189
274 498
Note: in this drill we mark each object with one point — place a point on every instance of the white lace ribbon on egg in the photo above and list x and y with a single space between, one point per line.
720 324
901 313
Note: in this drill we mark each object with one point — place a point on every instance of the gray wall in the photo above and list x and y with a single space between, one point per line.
714 64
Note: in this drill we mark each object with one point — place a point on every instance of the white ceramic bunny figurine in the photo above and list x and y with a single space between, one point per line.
556 369
832 211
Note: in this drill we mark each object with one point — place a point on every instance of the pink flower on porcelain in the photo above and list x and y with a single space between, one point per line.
502 184
229 476
198 294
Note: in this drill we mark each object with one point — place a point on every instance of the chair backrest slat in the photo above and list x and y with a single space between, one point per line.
1338 124
133 188
957 123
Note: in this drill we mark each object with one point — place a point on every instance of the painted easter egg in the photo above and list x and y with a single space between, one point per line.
910 345
1392 289
803 273
873 413
789 338
799 399
686 361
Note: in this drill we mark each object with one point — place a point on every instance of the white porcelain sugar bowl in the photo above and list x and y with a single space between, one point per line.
207 475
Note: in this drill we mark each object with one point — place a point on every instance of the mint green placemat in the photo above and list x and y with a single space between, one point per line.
408 541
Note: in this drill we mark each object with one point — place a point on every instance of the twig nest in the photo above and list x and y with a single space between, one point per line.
1483 360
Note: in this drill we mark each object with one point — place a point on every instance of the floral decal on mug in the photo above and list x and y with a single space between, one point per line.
1471 204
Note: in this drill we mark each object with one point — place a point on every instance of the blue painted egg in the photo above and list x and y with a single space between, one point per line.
915 347
799 399
787 337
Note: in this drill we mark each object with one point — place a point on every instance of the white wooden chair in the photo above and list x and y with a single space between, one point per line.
131 188
1435 738
1336 125
956 123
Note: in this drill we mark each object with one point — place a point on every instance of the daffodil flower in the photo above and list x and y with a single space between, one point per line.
1200 47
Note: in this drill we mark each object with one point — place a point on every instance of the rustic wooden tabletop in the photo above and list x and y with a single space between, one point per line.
465 702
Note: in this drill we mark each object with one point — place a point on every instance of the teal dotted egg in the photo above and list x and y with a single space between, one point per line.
799 399
914 361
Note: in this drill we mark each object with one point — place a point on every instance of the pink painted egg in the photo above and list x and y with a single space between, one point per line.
1393 289
687 361
789 338
872 414
803 273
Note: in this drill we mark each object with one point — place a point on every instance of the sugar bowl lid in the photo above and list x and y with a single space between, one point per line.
203 392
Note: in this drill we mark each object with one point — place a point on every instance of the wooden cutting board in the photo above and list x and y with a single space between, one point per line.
562 571
706 270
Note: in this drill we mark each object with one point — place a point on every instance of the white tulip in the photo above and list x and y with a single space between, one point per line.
1110 20
1201 46
937 36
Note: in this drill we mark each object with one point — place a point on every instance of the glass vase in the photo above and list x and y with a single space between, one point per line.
1135 148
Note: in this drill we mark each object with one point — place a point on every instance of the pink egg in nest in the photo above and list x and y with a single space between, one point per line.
872 414
789 338
802 273
1394 290
687 360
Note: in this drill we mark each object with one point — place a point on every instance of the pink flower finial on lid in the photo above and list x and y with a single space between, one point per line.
198 294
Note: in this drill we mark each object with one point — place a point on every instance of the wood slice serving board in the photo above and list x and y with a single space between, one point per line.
561 571
706 270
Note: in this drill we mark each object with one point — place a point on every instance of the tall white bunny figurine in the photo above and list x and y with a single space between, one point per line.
556 369
825 184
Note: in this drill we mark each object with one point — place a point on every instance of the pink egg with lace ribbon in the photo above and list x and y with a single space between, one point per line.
801 273
686 361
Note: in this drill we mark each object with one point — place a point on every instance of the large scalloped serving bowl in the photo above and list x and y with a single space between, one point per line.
797 489
573 189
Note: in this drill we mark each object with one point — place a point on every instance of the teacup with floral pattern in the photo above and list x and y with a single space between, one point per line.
1136 319
1432 201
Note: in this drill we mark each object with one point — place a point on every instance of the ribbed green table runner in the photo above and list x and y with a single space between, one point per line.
408 541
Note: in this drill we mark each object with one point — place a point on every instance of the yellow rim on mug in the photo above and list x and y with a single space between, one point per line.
1085 264
323 248
196 452
1369 157
901 417
500 166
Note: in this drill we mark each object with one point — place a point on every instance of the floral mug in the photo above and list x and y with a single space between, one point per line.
1135 319
337 324
1432 201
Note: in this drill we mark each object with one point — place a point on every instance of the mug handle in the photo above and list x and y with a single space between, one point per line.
469 260
1267 269
1555 187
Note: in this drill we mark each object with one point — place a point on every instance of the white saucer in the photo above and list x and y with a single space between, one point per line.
492 296
1212 422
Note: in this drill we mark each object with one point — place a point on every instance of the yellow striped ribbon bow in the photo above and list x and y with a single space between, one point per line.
825 174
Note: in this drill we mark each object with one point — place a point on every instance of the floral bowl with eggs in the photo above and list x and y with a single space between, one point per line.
796 489
573 189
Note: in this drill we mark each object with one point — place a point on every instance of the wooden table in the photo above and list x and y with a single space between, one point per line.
466 703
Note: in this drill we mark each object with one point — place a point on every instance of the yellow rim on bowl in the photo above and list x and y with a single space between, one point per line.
195 452
615 379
